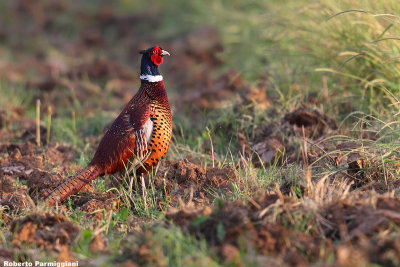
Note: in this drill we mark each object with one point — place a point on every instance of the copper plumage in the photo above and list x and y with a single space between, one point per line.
139 136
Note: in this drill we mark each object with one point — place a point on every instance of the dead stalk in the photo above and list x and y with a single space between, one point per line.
38 122
48 124
144 192
130 187
307 171
212 147
165 187
108 221
255 204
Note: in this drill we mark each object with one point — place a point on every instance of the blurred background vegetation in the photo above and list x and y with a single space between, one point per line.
340 55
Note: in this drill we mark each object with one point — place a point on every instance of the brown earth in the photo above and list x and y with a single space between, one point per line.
44 231
190 183
304 136
51 232
28 170
227 226
285 142
97 204
314 122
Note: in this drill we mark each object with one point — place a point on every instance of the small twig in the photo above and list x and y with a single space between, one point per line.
255 204
323 150
104 229
160 206
191 196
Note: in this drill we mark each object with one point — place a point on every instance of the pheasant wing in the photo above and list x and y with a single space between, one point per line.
126 140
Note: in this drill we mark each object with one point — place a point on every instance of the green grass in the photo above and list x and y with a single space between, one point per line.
167 247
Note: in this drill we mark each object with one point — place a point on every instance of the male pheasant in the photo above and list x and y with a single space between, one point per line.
140 135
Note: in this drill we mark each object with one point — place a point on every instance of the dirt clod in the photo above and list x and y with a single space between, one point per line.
314 122
29 170
283 142
190 181
44 231
97 245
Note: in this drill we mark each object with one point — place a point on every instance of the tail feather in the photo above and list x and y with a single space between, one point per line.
72 185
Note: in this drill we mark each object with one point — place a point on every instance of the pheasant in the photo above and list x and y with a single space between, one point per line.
139 136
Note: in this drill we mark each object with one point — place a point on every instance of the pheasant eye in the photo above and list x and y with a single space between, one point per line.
154 52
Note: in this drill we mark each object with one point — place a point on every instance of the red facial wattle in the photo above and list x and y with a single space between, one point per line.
155 56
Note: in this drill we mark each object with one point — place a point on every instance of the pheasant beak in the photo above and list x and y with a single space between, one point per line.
164 53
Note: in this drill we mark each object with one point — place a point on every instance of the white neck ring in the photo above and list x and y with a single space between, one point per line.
151 78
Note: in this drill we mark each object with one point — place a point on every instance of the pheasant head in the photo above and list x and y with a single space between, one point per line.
151 59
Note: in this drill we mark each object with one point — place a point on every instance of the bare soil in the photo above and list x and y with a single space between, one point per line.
190 183
353 222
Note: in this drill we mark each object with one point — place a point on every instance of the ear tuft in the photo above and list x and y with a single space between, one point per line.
142 51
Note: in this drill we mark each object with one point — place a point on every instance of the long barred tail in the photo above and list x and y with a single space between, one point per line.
72 185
